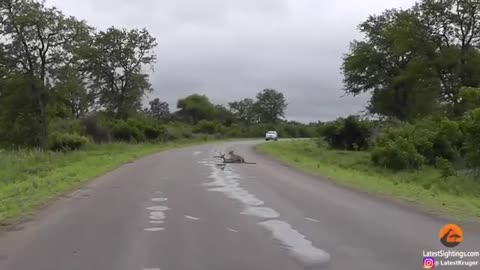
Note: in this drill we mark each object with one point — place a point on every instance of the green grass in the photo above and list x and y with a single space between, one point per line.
456 197
29 179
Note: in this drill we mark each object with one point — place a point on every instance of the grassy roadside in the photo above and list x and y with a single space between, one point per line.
30 179
454 198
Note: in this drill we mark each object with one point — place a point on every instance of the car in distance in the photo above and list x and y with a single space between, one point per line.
271 135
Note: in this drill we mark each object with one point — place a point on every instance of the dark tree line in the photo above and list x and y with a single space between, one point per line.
268 107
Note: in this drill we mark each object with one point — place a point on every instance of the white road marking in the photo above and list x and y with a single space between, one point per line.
156 221
197 153
158 208
313 220
155 229
157 215
159 199
192 218
232 230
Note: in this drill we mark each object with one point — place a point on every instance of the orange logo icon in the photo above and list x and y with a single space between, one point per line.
451 235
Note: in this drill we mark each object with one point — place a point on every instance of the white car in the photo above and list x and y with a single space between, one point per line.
271 135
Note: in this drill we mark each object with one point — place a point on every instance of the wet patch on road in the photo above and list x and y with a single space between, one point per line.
261 212
301 249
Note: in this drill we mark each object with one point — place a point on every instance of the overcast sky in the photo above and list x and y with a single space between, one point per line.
232 49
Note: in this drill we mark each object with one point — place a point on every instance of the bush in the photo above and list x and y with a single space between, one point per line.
66 141
124 131
347 134
396 154
177 131
446 167
60 125
234 131
94 129
471 128
306 132
430 138
439 137
207 127
155 133
290 131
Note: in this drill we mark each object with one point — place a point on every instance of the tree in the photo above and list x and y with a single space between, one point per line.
36 40
224 115
159 109
195 108
117 62
73 94
394 64
413 61
270 106
244 111
454 26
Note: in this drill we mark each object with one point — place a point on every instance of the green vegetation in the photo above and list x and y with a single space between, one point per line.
72 93
452 196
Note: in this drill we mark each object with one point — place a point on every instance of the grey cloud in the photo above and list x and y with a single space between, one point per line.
230 49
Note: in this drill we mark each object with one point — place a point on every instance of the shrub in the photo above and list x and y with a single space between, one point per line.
66 141
234 131
177 131
124 131
61 125
155 133
94 129
306 132
471 128
208 127
445 166
397 154
348 134
431 138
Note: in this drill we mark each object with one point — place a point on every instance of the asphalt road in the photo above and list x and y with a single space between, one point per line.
177 210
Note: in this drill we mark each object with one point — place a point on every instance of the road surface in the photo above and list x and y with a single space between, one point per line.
177 210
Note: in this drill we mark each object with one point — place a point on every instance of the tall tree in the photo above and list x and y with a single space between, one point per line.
393 63
195 108
73 91
414 60
36 39
118 60
454 26
224 115
244 111
159 109
270 106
